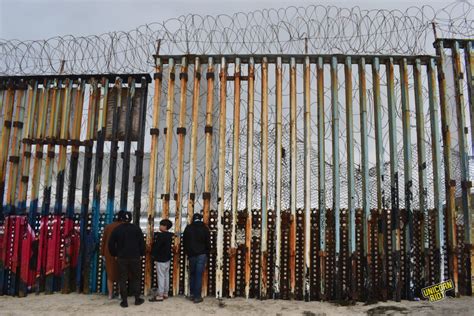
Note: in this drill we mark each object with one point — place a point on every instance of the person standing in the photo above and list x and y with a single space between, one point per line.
161 253
111 266
197 243
127 245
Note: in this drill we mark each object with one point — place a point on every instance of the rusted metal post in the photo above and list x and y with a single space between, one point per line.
450 183
467 268
18 133
27 233
13 176
235 179
36 116
206 196
124 190
2 95
6 131
110 204
5 139
366 263
250 133
321 174
422 165
350 173
378 131
53 122
38 161
307 177
293 154
181 133
98 165
278 171
194 138
15 142
69 233
394 187
207 168
220 197
32 118
139 152
264 181
436 156
193 160
82 275
381 206
336 192
53 265
168 131
469 64
407 166
154 131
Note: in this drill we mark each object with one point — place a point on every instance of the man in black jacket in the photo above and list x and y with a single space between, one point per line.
127 244
197 247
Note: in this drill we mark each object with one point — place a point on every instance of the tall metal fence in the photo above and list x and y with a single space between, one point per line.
326 167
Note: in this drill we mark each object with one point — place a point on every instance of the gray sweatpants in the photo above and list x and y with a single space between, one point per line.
163 277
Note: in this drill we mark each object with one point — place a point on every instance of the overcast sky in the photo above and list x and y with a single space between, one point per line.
40 19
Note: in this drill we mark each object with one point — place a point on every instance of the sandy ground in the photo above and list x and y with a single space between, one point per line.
86 305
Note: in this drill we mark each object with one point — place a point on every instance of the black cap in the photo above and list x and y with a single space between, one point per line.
121 216
197 217
124 216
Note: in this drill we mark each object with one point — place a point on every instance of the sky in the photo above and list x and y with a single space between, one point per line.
36 19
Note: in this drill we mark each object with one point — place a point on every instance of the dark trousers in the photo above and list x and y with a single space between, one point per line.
129 269
196 269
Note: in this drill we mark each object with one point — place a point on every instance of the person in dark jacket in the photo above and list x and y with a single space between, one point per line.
161 254
127 244
196 246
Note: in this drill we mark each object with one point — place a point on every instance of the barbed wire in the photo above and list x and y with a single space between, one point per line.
323 29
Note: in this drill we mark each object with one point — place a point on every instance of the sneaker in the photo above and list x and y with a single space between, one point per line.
156 299
139 301
198 300
165 297
190 298
124 304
